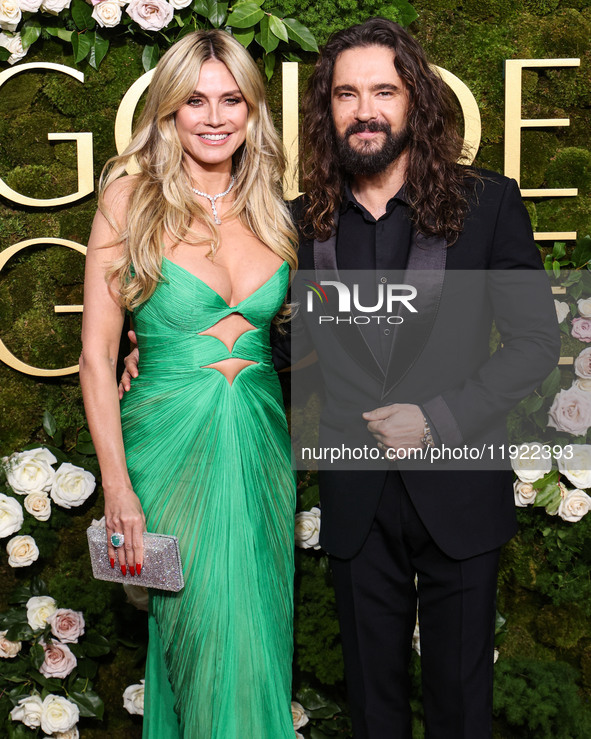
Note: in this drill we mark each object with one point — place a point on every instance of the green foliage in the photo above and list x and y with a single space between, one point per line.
540 699
329 16
571 167
540 7
545 585
21 674
90 43
316 620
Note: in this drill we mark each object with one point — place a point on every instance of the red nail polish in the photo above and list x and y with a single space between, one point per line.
112 563
123 570
132 570
138 568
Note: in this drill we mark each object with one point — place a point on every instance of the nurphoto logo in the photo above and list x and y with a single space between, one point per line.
391 298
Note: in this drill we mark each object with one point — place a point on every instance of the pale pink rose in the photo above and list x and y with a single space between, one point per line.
8 649
525 493
59 660
583 364
571 412
574 506
22 551
107 13
298 714
38 505
152 15
66 625
581 329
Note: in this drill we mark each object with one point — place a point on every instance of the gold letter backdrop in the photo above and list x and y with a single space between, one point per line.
57 123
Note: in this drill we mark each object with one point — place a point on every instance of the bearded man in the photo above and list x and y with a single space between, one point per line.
383 192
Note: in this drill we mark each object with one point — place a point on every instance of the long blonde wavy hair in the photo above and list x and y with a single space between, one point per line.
161 202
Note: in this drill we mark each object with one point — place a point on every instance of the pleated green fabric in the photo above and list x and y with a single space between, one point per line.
210 461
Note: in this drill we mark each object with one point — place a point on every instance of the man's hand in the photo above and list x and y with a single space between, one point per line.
400 426
131 366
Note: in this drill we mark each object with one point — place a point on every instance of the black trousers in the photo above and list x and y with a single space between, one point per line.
377 600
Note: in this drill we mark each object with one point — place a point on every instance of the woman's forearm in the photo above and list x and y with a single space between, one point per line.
101 403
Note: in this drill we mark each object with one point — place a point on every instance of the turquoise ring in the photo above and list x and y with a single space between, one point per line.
117 540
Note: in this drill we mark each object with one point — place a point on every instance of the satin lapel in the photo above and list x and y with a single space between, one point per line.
425 271
325 264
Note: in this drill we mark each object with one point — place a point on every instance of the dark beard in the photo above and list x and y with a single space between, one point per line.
367 160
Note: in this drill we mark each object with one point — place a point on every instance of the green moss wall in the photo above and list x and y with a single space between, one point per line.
544 593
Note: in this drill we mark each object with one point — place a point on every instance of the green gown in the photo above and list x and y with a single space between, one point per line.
210 462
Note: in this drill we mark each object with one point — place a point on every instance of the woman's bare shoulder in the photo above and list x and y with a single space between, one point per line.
116 196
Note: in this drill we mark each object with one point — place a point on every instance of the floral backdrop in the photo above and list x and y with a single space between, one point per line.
72 649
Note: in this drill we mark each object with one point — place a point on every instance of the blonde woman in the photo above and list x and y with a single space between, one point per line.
199 247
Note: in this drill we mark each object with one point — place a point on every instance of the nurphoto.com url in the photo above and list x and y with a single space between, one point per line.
440 453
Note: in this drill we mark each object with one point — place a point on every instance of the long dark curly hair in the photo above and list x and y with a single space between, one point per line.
435 183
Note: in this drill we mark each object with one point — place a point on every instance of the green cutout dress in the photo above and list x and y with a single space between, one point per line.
210 462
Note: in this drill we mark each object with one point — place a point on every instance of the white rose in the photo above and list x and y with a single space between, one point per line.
28 710
525 494
570 412
137 595
30 471
307 529
10 14
574 506
39 609
8 649
495 655
11 516
298 715
72 485
133 698
562 310
577 469
30 6
71 734
38 505
55 7
59 660
582 384
107 13
58 714
67 625
22 551
583 364
584 306
180 4
14 44
528 464
151 15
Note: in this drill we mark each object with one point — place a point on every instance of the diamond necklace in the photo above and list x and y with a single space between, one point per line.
213 198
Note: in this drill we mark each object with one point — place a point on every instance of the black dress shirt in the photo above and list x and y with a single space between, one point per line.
380 245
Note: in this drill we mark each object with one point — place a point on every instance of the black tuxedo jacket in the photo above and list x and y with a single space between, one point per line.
444 365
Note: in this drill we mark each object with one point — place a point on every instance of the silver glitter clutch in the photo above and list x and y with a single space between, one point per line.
161 568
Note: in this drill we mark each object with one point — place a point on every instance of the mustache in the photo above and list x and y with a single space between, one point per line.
368 127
